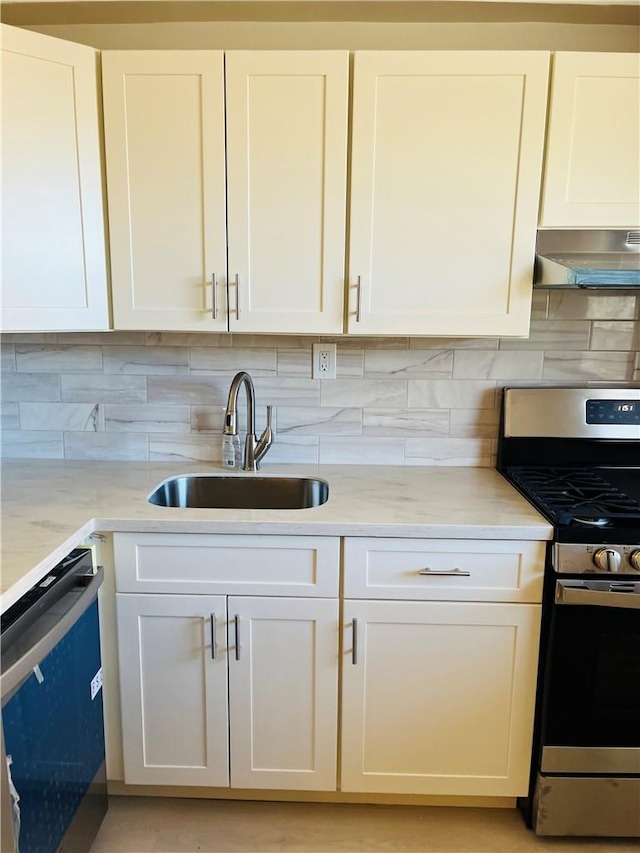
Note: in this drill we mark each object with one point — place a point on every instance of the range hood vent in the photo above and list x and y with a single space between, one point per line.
587 259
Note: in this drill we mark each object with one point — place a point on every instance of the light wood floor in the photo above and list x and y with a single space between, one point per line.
161 825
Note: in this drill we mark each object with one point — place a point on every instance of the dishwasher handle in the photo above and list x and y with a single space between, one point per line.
17 673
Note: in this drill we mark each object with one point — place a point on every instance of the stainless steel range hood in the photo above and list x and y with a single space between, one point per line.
587 259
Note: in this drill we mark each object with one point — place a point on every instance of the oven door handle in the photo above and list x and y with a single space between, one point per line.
566 593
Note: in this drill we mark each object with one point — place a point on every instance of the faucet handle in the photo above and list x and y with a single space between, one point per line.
269 411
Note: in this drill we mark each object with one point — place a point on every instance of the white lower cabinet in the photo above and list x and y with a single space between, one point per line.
220 690
438 698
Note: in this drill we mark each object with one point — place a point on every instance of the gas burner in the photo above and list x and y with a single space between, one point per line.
592 522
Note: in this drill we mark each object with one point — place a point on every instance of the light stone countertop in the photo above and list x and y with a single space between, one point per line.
50 506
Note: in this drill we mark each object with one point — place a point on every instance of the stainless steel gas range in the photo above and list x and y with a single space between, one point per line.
575 454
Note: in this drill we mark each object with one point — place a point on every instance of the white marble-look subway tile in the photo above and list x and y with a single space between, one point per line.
448 451
405 422
591 305
257 362
146 360
498 364
103 389
20 444
115 338
30 337
552 334
453 343
168 447
359 342
72 417
318 420
289 449
56 359
36 387
621 335
361 393
474 423
287 392
9 415
188 339
451 394
609 366
408 364
147 418
361 451
122 447
539 304
273 341
207 418
8 357
189 390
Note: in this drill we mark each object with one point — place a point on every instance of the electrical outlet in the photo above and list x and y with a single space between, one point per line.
324 361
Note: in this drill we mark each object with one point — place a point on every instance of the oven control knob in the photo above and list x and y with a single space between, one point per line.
634 559
607 559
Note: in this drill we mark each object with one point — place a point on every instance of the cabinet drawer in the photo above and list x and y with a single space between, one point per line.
443 569
230 565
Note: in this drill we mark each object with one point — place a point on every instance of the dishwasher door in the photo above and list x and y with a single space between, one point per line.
53 772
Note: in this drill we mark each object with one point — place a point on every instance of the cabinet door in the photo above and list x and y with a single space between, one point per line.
592 166
173 683
53 229
283 689
286 160
438 698
445 179
164 140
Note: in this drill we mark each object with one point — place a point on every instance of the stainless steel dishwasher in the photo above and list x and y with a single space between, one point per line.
54 793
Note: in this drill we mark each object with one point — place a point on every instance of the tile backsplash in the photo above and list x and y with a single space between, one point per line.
396 401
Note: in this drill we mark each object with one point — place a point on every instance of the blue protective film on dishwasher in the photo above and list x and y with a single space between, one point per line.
54 735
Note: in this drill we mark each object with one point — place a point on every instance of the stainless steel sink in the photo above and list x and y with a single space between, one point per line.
219 492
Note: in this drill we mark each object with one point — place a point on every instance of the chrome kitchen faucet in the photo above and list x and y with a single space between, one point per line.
254 449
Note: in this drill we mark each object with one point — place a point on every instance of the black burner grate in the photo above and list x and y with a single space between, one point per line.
579 496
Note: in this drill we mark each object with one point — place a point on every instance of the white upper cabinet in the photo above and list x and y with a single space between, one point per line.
286 182
54 273
286 126
592 168
445 179
164 141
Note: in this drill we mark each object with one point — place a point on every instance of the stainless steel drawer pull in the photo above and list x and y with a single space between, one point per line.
237 278
214 296
354 646
359 300
450 573
214 639
236 620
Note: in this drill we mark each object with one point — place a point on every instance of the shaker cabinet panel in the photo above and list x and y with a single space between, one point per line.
438 698
286 183
283 693
173 680
592 166
164 141
445 174
54 269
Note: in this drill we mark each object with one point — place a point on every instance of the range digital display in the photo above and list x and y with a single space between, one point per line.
613 412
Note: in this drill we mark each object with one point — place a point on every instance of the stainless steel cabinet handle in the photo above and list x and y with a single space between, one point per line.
214 296
359 300
214 639
354 645
450 573
236 620
237 279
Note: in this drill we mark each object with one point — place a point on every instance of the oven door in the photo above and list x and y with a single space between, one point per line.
591 711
